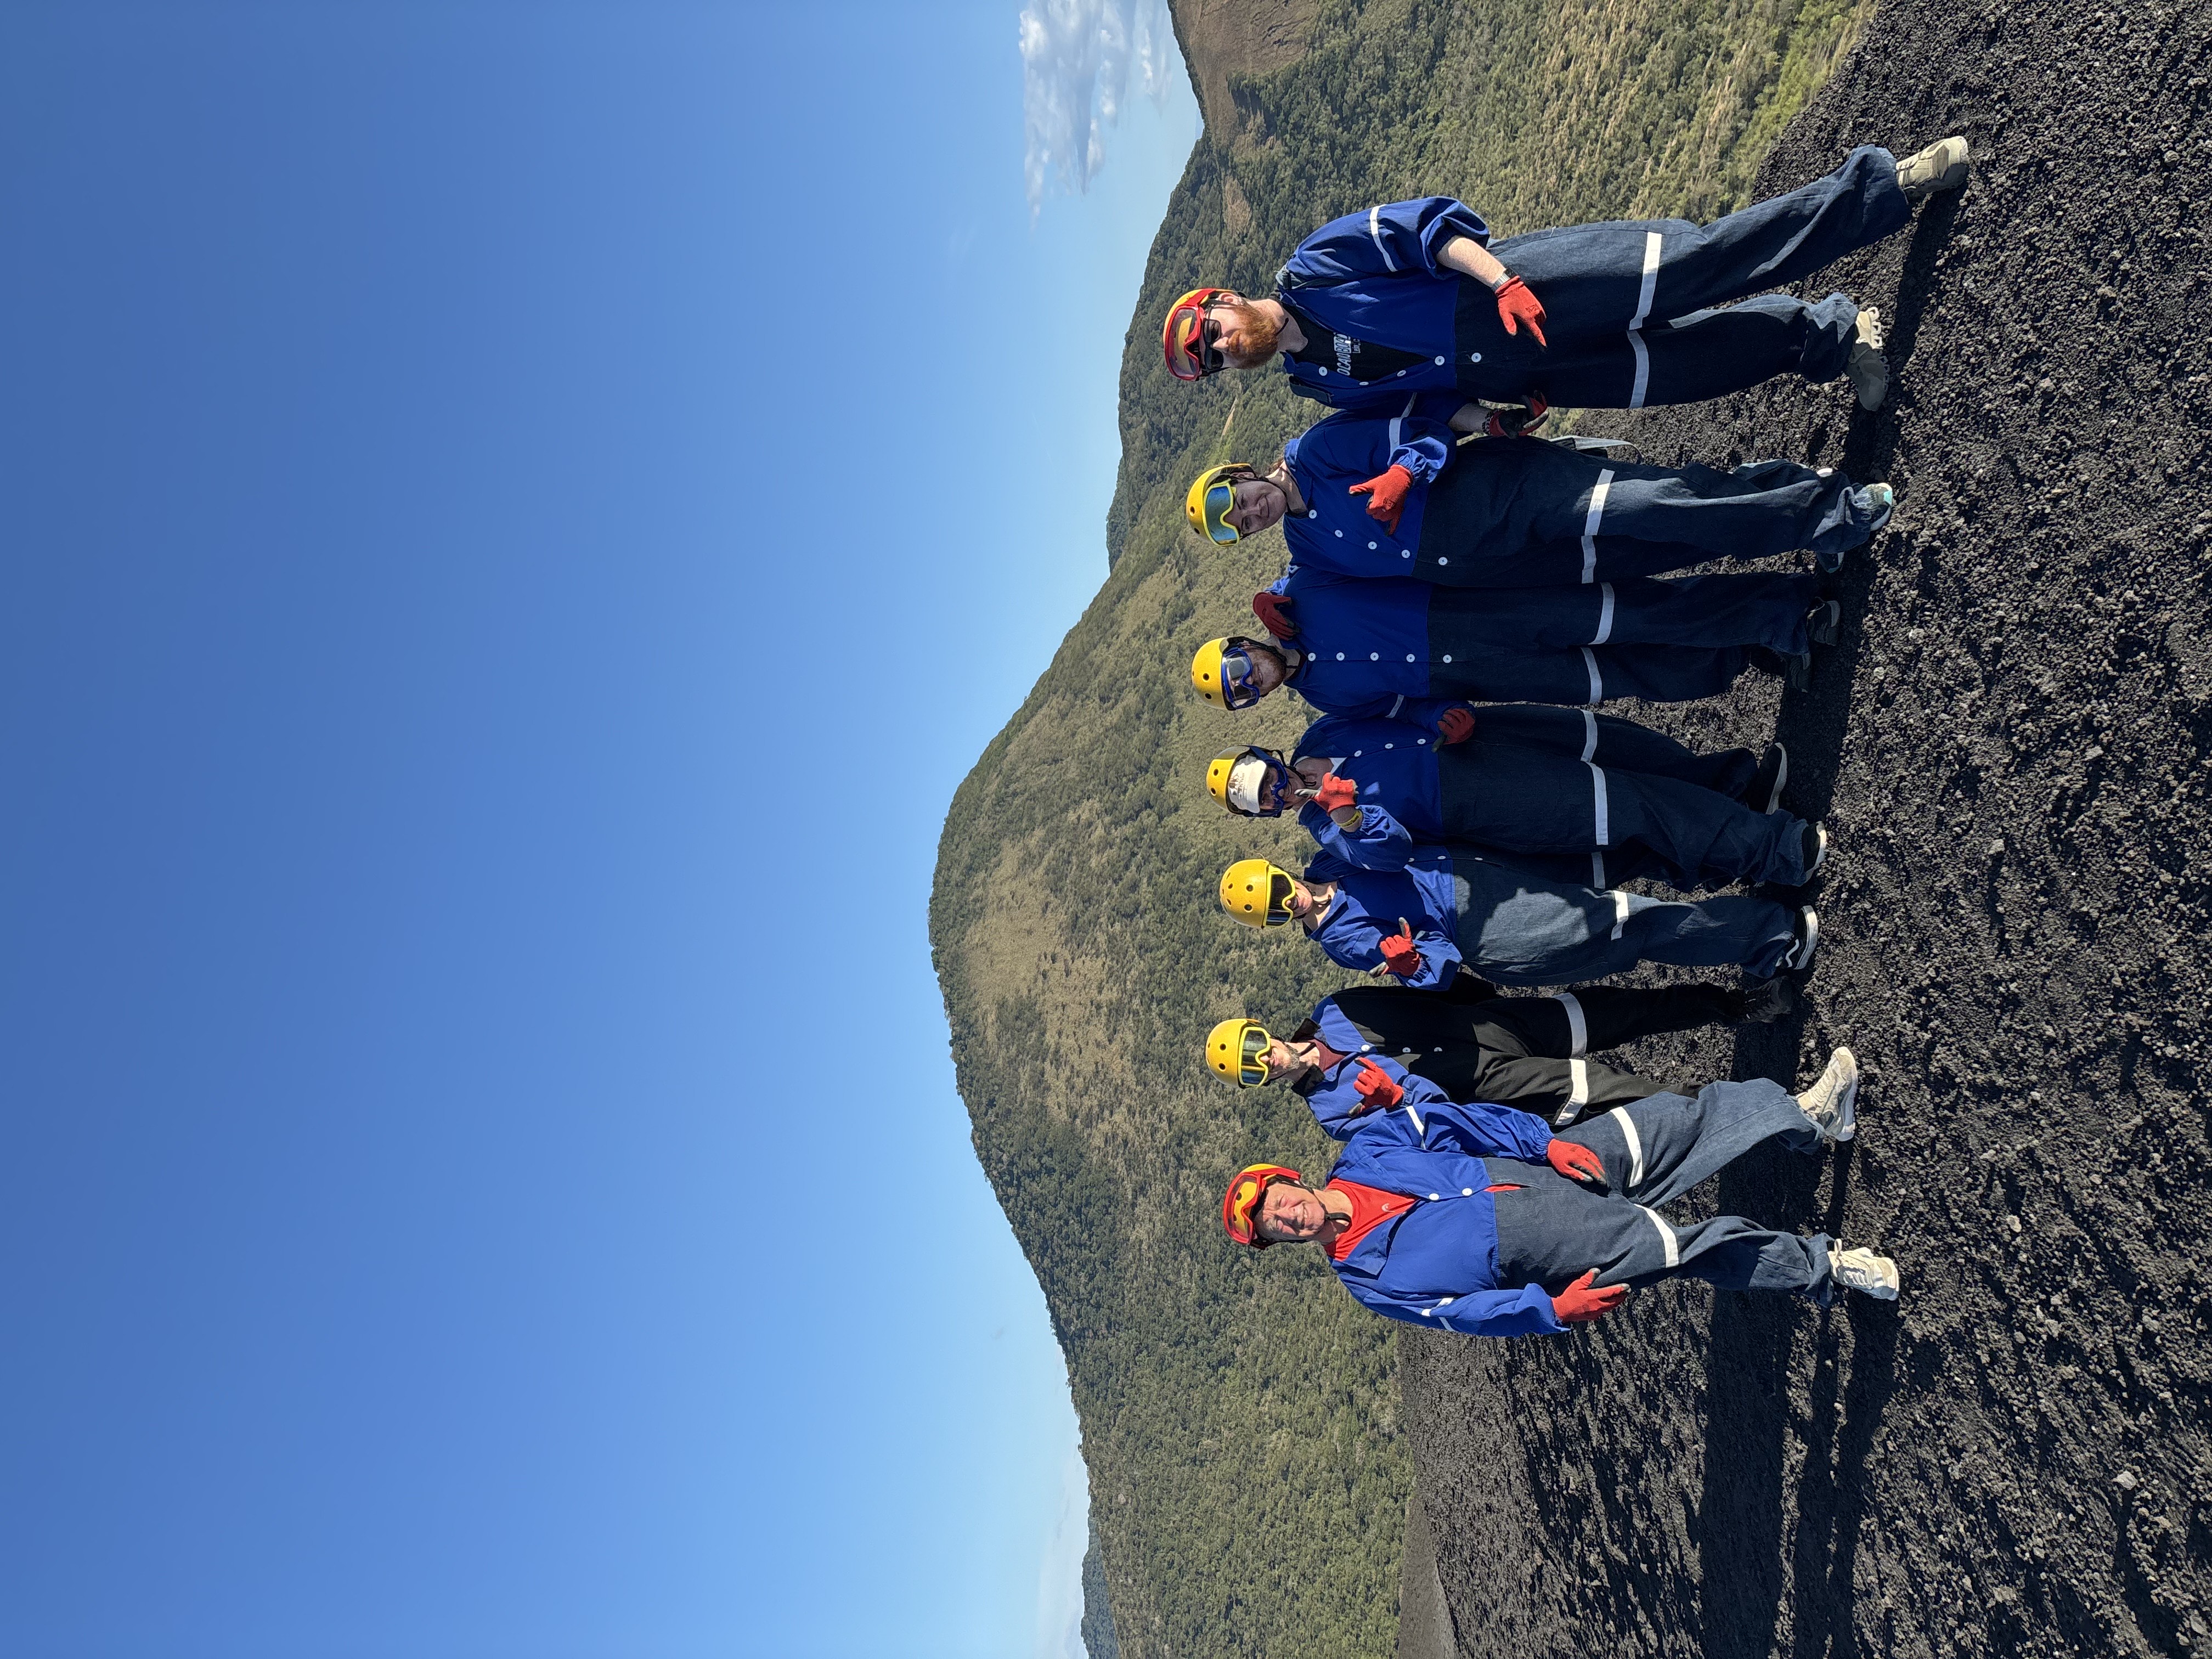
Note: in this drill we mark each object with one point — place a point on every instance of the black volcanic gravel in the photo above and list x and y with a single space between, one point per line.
2010 747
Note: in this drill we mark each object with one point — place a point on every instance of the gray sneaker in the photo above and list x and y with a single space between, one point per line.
1863 1271
1942 165
1832 1103
1868 367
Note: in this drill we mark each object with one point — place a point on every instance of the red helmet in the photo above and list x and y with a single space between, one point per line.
1191 355
1240 1204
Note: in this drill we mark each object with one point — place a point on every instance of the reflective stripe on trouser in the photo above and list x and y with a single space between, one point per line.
1534 514
1620 297
1517 929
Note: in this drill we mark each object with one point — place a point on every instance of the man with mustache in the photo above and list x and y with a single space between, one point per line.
1412 296
1477 1219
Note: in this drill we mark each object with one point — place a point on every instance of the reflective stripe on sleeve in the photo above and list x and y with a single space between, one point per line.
1668 1241
1644 296
1596 680
1600 818
1589 525
1619 911
1589 737
1375 230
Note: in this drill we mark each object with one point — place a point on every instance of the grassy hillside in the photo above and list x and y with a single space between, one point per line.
1248 1476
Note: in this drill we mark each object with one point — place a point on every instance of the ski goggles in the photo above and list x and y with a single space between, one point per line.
1191 339
1238 689
1252 1054
1256 781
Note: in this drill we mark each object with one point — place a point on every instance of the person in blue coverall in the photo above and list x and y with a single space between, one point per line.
1395 495
1473 1044
1412 296
1477 1219
1530 779
1418 913
1403 648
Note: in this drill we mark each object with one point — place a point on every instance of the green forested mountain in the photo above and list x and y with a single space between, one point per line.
1248 1481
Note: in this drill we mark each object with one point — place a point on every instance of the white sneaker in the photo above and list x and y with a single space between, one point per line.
1942 165
1868 367
1832 1103
1863 1271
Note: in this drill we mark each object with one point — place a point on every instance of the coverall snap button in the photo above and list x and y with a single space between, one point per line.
1448 658
1375 656
1340 533
1401 373
1371 547
1339 656
1407 553
1393 745
1442 560
1474 357
1409 656
1313 513
1466 1192
1433 1196
1440 362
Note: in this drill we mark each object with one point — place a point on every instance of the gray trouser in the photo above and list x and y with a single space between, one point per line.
1551 1230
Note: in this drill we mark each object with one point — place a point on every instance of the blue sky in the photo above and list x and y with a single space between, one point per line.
516 519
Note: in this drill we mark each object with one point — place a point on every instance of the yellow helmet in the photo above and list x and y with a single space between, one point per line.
1211 497
1237 1049
1222 672
1239 781
1257 893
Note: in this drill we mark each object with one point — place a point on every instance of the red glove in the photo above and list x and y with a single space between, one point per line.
1581 1302
1387 490
1517 304
1336 792
1399 954
1272 610
1518 422
1455 725
1375 1086
1576 1163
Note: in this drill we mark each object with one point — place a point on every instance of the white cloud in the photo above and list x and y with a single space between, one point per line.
1078 59
1060 1584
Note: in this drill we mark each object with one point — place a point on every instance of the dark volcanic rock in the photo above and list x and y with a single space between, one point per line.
2010 747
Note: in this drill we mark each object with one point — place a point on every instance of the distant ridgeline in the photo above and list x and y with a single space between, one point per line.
1247 1479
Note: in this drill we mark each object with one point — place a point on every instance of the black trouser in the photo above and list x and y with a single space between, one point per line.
1530 1052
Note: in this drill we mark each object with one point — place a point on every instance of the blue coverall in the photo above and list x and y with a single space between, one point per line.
1467 1259
1522 512
1368 643
1538 780
1637 311
1516 927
